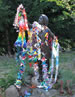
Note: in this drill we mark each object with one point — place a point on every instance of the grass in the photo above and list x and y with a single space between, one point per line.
9 69
67 67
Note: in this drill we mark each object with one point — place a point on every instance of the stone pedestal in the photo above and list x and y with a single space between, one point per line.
11 92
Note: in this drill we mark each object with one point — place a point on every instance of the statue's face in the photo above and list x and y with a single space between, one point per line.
43 20
40 20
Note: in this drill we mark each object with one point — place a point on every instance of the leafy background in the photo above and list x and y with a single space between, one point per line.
61 14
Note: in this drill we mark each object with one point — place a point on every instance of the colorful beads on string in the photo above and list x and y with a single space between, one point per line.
44 70
35 65
21 23
46 38
21 70
55 57
45 82
27 94
21 40
21 19
18 83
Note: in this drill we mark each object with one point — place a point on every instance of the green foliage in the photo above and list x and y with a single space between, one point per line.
61 15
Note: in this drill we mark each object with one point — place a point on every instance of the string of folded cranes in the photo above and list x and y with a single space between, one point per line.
24 48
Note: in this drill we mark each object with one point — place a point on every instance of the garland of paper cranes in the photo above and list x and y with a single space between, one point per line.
24 48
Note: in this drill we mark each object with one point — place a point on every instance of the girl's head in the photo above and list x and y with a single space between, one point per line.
43 20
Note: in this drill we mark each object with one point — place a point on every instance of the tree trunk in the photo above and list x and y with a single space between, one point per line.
8 43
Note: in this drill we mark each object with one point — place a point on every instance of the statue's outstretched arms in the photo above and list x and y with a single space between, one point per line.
51 34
